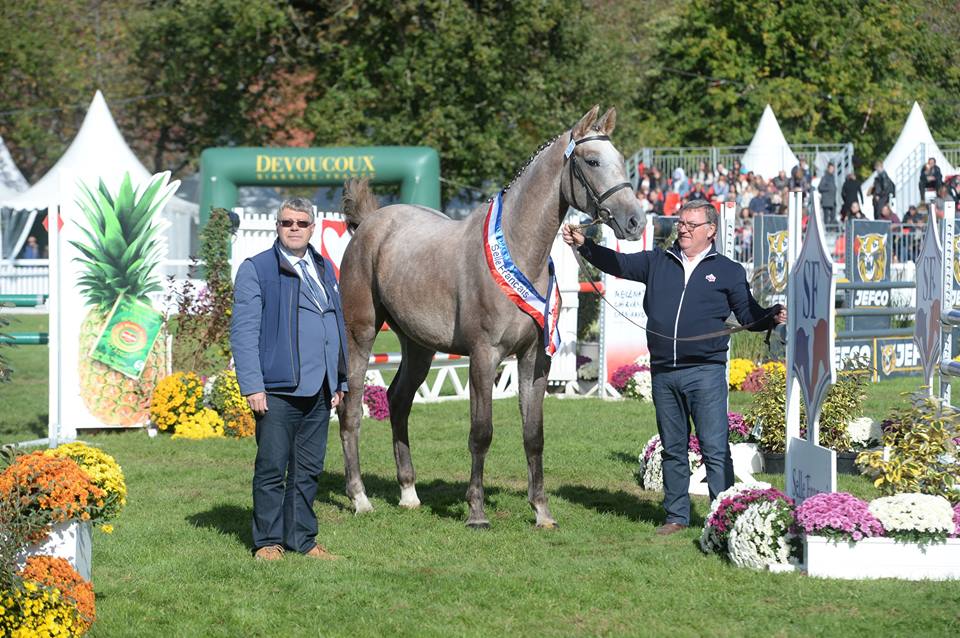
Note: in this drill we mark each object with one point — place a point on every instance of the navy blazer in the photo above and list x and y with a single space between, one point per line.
282 342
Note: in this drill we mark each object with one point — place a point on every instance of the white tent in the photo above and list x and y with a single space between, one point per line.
913 148
768 153
99 152
11 179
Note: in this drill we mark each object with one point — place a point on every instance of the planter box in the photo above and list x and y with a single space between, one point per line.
746 461
773 463
882 558
71 541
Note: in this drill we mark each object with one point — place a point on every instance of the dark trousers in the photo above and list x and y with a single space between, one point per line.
700 393
291 446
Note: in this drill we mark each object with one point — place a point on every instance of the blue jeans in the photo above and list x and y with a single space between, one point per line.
291 446
700 393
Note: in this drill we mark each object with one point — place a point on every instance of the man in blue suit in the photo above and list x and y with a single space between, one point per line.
289 348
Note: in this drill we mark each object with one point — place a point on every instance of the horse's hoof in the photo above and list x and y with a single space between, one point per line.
479 524
549 524
361 504
408 498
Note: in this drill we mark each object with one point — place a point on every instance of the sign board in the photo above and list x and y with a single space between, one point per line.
89 271
868 260
884 357
623 335
926 329
770 265
810 358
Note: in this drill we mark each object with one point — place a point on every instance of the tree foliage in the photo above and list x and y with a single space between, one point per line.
833 72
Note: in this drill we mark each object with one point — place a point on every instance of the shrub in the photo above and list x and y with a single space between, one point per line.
844 401
922 450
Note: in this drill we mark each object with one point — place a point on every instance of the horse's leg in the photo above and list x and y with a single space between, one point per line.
483 367
413 370
361 333
533 367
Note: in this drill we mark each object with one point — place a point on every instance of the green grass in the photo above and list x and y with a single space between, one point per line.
23 415
179 561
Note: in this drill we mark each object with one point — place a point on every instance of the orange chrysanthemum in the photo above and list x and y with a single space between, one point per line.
57 572
54 485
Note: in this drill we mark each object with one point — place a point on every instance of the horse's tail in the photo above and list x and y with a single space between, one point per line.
358 202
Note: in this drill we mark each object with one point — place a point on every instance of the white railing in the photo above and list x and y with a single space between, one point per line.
448 384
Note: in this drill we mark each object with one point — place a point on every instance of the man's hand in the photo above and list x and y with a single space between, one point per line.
781 317
336 399
257 402
572 235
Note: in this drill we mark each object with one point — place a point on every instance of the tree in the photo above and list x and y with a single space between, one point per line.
210 66
485 83
833 72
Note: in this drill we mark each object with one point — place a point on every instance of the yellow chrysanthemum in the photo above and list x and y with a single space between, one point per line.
205 424
104 472
739 369
176 395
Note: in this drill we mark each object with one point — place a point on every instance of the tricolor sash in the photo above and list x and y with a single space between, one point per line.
544 310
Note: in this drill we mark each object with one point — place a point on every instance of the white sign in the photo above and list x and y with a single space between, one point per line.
810 469
623 335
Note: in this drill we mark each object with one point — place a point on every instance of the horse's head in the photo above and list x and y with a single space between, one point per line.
595 181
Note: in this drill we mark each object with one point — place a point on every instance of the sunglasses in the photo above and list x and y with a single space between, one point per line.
287 223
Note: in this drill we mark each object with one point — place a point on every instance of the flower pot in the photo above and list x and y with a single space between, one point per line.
589 349
882 558
773 462
72 541
847 463
746 460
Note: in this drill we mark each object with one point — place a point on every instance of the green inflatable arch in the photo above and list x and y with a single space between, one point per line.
222 170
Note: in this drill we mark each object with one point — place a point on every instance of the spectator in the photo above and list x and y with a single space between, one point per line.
828 194
721 188
953 189
849 194
759 203
780 181
883 187
721 169
30 250
931 179
703 176
697 192
656 178
939 202
912 233
798 181
680 184
887 215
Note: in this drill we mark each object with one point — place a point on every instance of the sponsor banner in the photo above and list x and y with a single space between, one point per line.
770 270
622 341
882 357
128 336
868 260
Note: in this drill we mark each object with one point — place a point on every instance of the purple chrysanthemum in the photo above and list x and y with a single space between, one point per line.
838 515
375 398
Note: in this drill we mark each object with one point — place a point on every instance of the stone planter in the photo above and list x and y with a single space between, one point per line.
773 462
72 541
882 558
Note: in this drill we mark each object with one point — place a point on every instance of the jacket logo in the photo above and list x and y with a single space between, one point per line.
711 278
871 252
777 260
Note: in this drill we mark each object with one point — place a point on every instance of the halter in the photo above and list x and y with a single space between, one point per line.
603 214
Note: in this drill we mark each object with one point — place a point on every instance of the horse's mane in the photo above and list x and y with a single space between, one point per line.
527 163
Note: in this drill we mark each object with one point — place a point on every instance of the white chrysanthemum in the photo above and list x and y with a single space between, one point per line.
757 538
709 541
924 513
863 430
651 470
589 371
208 388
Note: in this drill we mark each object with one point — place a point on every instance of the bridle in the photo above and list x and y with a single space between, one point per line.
595 200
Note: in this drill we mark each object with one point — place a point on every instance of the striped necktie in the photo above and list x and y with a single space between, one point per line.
318 294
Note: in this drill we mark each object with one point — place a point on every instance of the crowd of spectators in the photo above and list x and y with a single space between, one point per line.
753 195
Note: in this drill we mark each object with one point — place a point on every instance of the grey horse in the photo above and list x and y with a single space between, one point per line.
427 276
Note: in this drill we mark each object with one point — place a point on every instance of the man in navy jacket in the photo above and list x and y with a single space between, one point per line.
691 291
289 347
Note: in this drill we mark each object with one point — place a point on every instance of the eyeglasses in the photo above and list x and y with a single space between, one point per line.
287 223
690 225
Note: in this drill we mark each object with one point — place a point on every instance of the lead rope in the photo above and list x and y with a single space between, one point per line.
710 335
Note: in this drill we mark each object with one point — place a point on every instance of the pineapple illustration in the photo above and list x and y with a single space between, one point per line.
119 257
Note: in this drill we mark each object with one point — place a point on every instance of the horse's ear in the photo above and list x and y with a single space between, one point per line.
608 122
586 122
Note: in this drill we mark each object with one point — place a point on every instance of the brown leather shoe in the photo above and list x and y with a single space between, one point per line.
319 551
670 528
269 552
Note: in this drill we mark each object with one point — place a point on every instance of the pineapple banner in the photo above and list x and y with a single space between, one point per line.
105 354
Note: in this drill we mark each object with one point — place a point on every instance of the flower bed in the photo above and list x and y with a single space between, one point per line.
909 536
